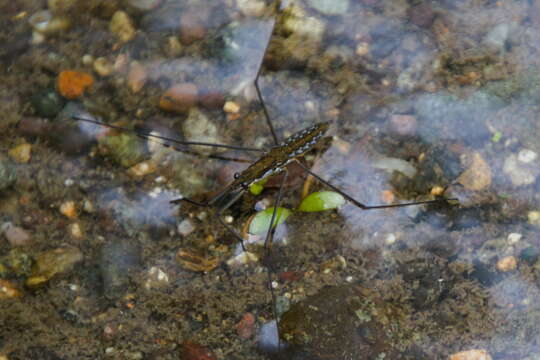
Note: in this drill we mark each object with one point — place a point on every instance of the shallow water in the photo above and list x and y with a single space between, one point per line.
424 99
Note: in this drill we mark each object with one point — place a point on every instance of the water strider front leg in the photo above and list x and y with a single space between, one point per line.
221 209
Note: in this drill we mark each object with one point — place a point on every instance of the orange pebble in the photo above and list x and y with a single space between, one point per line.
72 84
388 196
8 290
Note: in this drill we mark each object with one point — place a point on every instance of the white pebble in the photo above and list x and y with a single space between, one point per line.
75 230
390 239
534 217
231 107
202 215
514 238
87 59
185 227
156 278
527 156
15 235
242 258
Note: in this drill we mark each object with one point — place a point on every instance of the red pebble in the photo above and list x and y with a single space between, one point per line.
245 326
193 351
290 276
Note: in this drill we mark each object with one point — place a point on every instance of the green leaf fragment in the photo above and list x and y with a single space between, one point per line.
321 200
261 221
496 137
125 149
257 188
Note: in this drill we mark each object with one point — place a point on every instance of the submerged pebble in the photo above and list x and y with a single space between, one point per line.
21 153
394 164
251 7
477 175
15 235
243 258
125 149
193 24
496 38
199 127
122 26
302 26
47 103
75 230
44 23
507 263
194 351
534 217
136 77
156 278
245 327
185 227
69 209
330 7
514 238
72 84
527 156
522 168
8 290
8 174
341 322
422 14
51 263
103 67
474 354
60 6
143 168
179 98
231 107
144 5
16 262
403 125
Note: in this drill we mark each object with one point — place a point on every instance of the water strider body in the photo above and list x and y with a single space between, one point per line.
272 162
275 160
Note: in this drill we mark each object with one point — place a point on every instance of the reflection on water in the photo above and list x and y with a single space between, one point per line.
424 99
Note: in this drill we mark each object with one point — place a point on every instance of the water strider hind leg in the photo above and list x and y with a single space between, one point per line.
363 206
